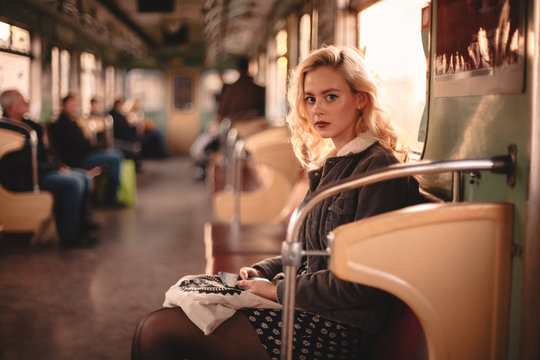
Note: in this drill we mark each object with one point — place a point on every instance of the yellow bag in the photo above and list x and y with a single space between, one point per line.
127 189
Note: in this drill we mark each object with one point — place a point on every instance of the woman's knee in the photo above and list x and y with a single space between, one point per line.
161 333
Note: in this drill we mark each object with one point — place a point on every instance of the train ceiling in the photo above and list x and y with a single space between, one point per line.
156 32
151 32
219 27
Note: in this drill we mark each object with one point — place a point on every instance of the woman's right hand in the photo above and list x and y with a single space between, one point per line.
246 272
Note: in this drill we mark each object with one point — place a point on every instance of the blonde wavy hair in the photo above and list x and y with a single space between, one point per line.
310 148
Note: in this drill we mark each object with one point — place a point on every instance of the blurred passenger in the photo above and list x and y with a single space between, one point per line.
102 136
71 187
338 129
242 100
134 127
76 151
95 107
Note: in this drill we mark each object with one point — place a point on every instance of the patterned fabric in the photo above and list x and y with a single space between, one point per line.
208 302
314 337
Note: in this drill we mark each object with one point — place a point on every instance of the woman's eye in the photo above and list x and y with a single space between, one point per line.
310 99
331 97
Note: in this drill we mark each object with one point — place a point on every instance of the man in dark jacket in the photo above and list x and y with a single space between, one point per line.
76 151
243 99
71 187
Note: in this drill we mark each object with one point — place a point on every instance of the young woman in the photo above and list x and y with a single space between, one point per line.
338 129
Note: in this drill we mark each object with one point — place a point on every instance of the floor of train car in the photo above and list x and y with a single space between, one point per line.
84 303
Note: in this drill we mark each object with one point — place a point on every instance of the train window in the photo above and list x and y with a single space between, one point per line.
65 68
5 35
277 78
305 37
88 80
14 38
60 70
260 76
14 62
147 86
109 87
390 37
211 88
55 80
20 40
14 73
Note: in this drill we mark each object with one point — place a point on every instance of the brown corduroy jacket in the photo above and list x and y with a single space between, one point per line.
317 289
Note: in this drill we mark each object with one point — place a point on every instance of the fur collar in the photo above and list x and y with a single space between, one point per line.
358 144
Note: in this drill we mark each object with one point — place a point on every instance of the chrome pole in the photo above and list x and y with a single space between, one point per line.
292 248
33 146
237 178
232 136
529 330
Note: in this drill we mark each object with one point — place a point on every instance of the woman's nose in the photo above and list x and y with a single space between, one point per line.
318 108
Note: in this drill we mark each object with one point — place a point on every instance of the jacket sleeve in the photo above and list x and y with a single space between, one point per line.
72 138
322 290
270 267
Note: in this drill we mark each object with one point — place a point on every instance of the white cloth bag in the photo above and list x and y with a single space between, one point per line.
208 302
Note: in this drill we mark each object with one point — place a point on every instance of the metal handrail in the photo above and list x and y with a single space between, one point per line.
237 147
292 251
33 140
238 162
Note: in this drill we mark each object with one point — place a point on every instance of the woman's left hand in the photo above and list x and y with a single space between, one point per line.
259 287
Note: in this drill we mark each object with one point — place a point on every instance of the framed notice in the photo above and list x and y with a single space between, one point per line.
480 47
183 92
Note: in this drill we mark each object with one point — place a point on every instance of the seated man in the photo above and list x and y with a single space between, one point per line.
71 186
76 151
102 136
135 128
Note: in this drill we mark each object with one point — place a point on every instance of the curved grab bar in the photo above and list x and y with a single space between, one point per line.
292 249
33 140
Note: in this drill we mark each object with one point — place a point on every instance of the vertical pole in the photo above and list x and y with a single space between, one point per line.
530 301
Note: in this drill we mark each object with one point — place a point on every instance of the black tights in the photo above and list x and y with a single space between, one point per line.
169 334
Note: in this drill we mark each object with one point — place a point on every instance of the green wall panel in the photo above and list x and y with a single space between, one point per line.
468 127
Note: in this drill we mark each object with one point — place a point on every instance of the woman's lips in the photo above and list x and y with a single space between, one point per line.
321 124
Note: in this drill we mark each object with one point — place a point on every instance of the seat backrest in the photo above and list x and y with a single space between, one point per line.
15 206
249 126
402 338
449 262
272 147
10 141
29 138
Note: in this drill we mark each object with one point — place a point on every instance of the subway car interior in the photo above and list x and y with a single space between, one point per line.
128 162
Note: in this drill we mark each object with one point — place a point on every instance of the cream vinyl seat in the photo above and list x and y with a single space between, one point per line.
29 211
449 262
273 160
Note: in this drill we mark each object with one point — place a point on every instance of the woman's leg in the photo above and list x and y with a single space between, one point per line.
169 334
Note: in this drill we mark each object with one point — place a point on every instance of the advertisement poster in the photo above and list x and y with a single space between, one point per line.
480 47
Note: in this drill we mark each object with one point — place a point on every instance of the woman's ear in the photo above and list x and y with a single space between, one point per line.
361 100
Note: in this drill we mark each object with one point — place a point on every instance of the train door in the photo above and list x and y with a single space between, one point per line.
184 110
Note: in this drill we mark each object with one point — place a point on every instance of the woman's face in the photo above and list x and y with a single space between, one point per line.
332 108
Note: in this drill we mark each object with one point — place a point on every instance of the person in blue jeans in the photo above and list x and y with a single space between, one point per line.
70 186
76 151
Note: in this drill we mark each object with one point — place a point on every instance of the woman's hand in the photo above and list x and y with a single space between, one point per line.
246 272
262 288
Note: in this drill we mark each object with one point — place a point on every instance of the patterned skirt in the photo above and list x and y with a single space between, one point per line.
314 337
